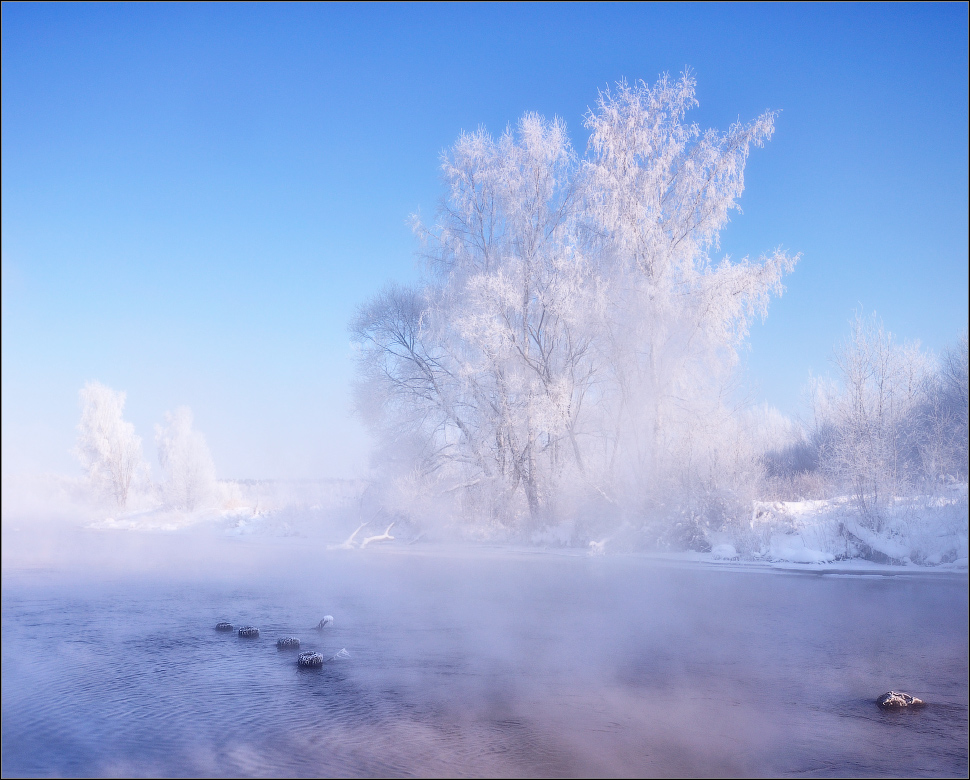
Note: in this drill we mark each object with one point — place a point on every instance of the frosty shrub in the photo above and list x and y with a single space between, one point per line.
573 341
185 459
109 451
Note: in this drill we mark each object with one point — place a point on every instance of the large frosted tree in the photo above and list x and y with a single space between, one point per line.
573 329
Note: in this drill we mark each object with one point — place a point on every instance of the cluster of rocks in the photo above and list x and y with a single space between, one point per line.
308 659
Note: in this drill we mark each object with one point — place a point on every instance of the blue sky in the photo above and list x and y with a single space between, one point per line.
197 197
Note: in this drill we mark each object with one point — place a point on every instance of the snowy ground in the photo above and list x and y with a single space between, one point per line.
922 534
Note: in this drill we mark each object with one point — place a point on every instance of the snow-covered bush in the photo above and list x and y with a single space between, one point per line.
185 460
107 446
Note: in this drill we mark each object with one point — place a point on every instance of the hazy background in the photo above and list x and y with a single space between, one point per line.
196 198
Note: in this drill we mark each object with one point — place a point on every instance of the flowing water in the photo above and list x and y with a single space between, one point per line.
483 662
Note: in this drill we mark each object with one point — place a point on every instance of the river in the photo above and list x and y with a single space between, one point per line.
482 662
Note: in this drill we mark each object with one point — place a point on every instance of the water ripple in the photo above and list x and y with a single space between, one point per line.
712 673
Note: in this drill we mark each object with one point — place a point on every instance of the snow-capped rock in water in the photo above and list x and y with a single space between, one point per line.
224 626
288 643
249 632
326 620
310 659
894 700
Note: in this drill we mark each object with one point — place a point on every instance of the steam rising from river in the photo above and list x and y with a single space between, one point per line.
487 661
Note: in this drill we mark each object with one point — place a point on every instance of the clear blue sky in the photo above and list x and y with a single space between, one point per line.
196 197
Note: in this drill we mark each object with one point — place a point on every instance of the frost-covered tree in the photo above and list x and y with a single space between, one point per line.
109 451
574 336
185 459
659 191
951 410
485 369
873 417
955 375
892 425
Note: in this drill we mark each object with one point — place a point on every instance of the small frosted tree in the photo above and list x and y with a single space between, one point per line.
184 457
940 423
109 451
953 409
872 418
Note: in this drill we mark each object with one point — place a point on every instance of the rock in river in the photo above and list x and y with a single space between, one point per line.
288 643
310 659
894 700
249 632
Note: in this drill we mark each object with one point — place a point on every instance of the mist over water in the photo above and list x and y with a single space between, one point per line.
586 541
482 662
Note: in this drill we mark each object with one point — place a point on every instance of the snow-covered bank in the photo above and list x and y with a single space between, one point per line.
920 530
922 533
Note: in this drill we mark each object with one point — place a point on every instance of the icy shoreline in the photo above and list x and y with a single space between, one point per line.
246 528
923 535
191 545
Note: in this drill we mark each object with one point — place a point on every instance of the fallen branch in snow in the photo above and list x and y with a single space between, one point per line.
349 544
384 537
